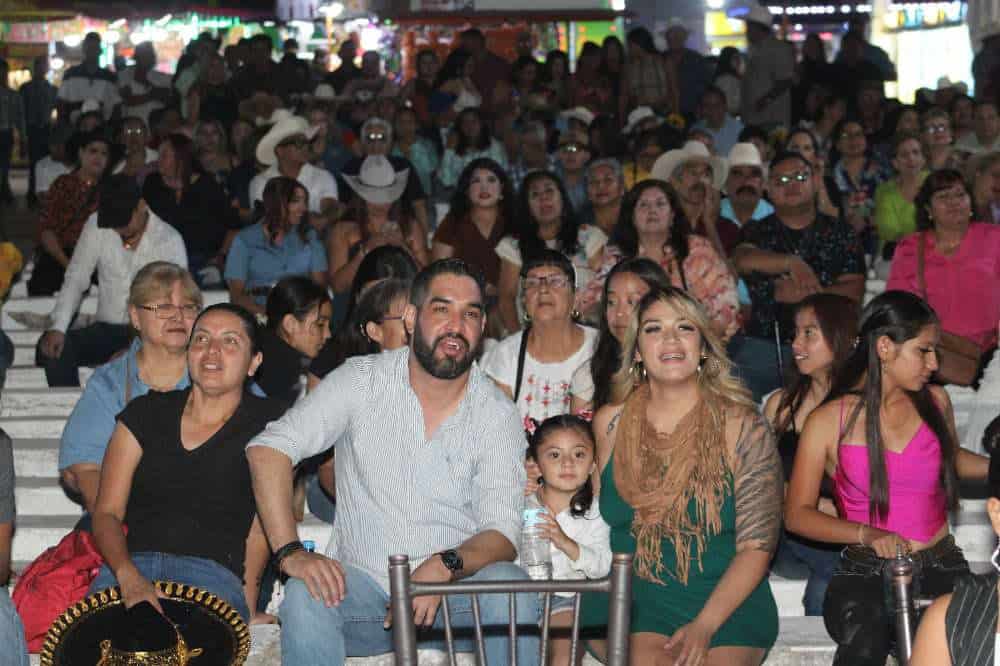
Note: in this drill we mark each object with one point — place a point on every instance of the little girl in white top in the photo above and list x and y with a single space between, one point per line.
564 450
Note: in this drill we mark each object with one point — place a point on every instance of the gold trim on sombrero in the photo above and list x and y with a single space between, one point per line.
177 591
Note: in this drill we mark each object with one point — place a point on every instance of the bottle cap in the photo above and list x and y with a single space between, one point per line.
310 546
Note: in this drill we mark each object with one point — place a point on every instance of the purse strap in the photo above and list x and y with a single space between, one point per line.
921 252
521 353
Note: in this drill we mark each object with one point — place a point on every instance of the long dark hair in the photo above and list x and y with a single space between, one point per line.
461 207
838 321
294 295
581 502
384 262
277 195
453 67
351 338
608 352
626 238
481 142
401 212
900 316
526 229
938 180
725 63
183 148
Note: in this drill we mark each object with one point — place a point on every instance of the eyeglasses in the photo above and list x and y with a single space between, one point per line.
300 142
572 147
856 134
134 131
798 177
375 136
169 310
937 129
552 281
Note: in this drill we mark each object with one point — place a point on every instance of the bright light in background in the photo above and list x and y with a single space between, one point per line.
112 37
332 10
117 24
138 37
618 5
72 41
163 20
57 63
711 4
370 37
268 24
157 34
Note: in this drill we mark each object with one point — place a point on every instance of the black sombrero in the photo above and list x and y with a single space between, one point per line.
200 629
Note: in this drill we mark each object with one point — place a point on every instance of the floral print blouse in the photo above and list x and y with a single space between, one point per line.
706 274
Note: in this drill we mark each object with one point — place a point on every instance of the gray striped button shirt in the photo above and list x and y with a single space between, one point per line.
398 492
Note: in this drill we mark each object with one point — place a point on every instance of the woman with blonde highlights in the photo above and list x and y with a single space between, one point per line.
691 483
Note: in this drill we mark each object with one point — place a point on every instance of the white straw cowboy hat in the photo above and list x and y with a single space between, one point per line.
755 13
637 116
693 151
581 113
378 182
746 154
282 130
276 117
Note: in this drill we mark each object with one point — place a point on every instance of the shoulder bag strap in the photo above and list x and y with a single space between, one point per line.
522 352
128 379
921 251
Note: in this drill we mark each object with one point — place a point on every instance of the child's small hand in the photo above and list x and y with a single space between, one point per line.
558 538
534 473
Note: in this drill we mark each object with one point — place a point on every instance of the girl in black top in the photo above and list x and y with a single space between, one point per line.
176 474
826 327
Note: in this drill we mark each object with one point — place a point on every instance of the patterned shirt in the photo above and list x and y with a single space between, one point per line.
66 210
829 246
706 276
399 491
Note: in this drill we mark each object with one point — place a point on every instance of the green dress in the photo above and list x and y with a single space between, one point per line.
663 609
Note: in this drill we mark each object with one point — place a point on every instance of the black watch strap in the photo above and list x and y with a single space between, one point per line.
452 560
285 551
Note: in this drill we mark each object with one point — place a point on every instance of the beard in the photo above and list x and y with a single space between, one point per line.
444 368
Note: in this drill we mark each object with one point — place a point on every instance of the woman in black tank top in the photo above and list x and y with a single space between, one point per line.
825 330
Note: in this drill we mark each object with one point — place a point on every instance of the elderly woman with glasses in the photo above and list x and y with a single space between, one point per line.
958 273
939 142
535 367
163 302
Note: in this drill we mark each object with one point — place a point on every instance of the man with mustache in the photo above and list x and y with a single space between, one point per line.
792 254
745 186
429 463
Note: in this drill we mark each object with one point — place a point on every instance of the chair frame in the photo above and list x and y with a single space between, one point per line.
618 585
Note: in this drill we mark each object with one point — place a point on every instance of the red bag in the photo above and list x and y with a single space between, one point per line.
56 580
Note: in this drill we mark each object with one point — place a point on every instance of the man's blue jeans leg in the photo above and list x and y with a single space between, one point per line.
13 647
314 634
756 361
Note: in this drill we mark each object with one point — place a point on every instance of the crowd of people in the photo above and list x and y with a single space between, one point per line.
632 293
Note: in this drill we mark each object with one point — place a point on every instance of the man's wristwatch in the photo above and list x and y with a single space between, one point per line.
452 561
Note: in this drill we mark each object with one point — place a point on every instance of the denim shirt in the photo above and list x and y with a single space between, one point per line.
89 427
257 262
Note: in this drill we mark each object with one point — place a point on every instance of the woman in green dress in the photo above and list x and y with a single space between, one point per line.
691 484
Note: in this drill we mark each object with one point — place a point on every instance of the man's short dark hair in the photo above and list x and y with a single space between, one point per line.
474 33
751 132
786 155
714 90
422 282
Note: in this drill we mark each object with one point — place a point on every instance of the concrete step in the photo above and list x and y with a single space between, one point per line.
41 402
35 533
36 458
42 496
32 427
24 337
24 375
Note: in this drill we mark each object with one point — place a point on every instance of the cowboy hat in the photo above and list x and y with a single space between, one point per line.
276 116
282 130
324 93
637 116
195 623
754 13
581 113
377 181
693 151
746 154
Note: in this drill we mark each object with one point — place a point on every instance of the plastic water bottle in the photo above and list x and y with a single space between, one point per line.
536 556
310 546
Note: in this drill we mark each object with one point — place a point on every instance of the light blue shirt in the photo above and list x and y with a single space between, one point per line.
726 136
89 427
257 262
763 209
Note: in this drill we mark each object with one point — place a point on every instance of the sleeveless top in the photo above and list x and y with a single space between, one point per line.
970 623
917 503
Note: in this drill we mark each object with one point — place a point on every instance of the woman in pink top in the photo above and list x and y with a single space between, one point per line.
961 278
895 465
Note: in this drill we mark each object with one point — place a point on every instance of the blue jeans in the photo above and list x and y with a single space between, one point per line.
756 361
798 559
6 356
197 571
88 346
311 633
13 647
320 504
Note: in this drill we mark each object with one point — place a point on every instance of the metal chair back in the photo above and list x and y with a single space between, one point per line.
618 586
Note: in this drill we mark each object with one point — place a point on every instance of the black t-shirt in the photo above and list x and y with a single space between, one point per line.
202 216
196 503
281 371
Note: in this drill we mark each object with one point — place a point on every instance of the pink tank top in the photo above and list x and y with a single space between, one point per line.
917 503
